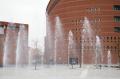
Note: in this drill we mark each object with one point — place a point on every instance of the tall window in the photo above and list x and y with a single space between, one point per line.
117 18
116 7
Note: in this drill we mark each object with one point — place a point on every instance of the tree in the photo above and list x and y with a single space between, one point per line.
37 53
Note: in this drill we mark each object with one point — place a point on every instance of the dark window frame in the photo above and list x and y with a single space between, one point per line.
116 29
116 7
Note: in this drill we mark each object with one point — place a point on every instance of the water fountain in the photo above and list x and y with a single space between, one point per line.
21 47
98 52
87 34
55 49
72 54
7 57
109 58
50 50
89 39
58 38
70 45
6 49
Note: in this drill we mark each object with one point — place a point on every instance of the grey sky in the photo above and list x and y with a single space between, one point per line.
31 12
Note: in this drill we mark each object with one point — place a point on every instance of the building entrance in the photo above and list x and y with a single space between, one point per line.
73 61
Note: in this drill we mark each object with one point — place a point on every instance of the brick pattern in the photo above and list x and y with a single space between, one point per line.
101 16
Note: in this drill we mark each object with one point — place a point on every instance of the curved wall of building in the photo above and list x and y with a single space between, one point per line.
104 17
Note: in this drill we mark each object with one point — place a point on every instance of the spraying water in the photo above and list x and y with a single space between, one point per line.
6 49
98 51
49 55
109 58
70 44
87 34
8 45
91 41
58 38
21 47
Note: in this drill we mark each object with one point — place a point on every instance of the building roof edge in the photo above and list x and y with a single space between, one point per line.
51 5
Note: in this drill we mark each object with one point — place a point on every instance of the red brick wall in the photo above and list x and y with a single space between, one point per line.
72 11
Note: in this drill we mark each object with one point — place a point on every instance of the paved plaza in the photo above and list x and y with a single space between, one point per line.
59 72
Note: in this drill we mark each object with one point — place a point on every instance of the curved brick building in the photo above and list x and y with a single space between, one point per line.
104 17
